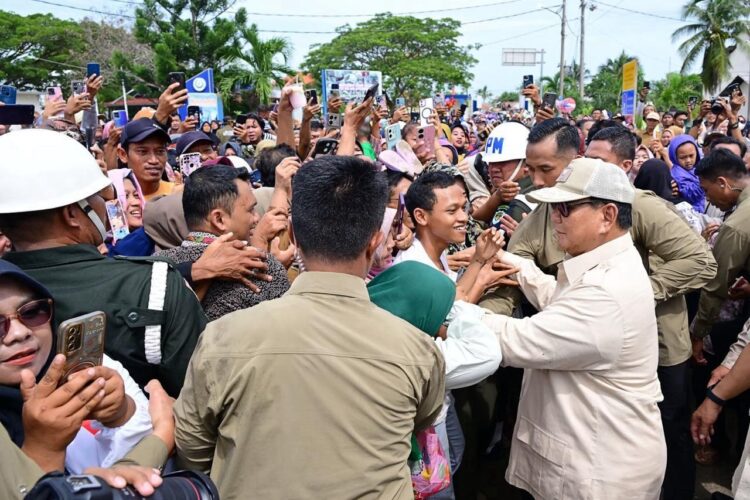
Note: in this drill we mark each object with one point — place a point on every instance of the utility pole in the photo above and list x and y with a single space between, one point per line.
564 21
581 67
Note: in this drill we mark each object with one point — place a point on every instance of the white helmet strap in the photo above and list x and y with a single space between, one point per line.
94 217
518 169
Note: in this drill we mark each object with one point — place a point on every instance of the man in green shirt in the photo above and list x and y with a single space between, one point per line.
726 182
51 210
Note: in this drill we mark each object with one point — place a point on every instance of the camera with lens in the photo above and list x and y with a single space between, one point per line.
181 485
717 106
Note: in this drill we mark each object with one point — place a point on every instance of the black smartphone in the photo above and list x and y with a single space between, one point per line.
93 68
312 96
194 111
693 101
178 77
370 94
646 85
399 219
549 99
325 146
483 135
17 114
414 117
462 110
528 80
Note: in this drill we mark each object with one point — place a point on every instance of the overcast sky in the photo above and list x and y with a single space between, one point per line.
608 30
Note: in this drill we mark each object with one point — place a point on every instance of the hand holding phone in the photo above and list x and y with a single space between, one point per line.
549 99
176 77
371 92
81 340
325 146
93 68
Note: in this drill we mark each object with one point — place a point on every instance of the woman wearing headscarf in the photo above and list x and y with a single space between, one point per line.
424 297
120 415
684 154
128 192
654 175
642 155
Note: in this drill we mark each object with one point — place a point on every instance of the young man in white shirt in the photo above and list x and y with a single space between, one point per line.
439 208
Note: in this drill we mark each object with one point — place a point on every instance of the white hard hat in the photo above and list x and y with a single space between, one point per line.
506 142
239 162
42 169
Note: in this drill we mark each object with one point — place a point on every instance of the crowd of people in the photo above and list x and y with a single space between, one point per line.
306 311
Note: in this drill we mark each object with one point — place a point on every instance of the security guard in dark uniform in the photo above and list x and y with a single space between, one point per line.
51 211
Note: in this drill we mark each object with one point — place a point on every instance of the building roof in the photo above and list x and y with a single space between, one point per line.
133 101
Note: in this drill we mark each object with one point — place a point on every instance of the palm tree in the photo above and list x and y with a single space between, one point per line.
484 93
260 65
676 90
719 27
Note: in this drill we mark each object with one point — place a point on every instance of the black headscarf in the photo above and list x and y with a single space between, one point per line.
655 176
11 401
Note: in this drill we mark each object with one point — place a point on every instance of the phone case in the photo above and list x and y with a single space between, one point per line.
426 107
93 69
78 86
7 94
333 120
117 222
189 163
429 138
81 340
393 135
400 101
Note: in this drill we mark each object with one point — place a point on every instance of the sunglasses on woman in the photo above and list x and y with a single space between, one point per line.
564 208
31 314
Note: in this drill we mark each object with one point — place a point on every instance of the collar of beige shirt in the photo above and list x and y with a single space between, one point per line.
345 285
576 266
745 194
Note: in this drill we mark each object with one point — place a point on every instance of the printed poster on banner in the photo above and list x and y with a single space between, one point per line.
351 85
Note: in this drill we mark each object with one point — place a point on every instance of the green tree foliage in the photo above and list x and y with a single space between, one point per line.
605 88
417 56
121 56
675 91
259 64
189 35
717 28
35 49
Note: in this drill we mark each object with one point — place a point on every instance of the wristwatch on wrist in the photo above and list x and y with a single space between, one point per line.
713 397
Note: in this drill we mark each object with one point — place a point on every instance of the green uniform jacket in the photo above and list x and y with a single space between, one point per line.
686 264
82 280
19 473
732 252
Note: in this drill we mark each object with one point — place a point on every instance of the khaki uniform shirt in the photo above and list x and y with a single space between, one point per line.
732 252
312 395
686 264
588 421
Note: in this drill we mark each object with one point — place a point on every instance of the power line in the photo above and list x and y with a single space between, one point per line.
632 11
519 36
48 2
273 14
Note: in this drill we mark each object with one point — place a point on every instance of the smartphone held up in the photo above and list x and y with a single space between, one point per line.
81 340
